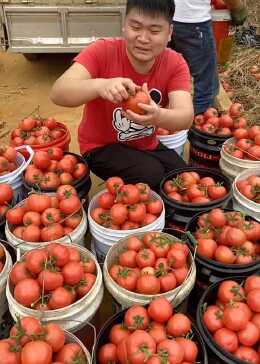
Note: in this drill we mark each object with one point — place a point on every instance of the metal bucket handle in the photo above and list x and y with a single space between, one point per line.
26 164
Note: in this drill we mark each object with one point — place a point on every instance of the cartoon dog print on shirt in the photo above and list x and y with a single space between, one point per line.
128 129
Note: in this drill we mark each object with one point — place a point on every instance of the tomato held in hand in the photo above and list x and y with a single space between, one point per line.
132 102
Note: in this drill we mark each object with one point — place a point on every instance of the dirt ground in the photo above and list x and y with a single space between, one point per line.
26 84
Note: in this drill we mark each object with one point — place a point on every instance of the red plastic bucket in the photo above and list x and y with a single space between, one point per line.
62 142
221 22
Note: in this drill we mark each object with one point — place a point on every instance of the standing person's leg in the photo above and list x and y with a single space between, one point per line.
133 165
197 44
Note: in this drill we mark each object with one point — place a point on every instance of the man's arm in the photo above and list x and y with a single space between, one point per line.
76 87
180 113
237 10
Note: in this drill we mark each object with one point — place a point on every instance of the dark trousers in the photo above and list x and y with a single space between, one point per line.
197 44
133 165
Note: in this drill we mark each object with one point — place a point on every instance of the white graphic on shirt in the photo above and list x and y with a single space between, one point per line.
128 129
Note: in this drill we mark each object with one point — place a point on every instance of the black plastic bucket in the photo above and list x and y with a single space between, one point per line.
216 354
82 185
178 214
119 317
209 271
204 148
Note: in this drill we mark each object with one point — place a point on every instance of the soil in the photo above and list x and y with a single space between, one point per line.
25 85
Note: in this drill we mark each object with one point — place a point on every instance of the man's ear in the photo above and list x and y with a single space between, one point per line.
170 34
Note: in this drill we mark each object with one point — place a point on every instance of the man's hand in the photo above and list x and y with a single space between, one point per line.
152 112
239 15
117 89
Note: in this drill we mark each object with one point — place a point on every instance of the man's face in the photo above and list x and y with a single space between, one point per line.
146 36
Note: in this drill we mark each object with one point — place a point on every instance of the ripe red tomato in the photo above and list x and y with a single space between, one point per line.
80 170
160 310
6 193
136 318
38 202
114 184
144 191
41 160
72 273
55 153
118 213
32 233
132 102
70 353
213 318
19 272
87 283
173 350
70 205
105 200
216 192
253 300
117 333
130 194
27 124
136 341
27 292
247 355
126 278
236 109
148 284
230 290
52 232
226 339
50 280
65 191
107 354
59 253
234 319
133 243
154 207
60 297
137 212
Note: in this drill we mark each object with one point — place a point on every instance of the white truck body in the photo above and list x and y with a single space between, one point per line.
65 26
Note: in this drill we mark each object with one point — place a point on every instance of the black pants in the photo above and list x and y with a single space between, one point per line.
133 165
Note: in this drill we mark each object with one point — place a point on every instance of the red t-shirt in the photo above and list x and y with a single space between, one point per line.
102 122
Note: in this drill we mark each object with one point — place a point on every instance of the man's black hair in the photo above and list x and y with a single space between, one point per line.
164 8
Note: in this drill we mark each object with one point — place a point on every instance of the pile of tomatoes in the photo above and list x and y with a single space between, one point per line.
50 169
33 342
6 196
228 237
36 131
126 206
234 319
7 160
46 218
246 144
189 187
250 188
224 125
150 335
152 264
2 258
52 278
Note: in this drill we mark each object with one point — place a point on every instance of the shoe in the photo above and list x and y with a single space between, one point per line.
257 41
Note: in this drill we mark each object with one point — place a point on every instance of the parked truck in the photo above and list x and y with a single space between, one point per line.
32 27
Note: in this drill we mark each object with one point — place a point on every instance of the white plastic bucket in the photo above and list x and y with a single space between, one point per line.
127 298
174 141
3 281
15 178
231 166
72 317
103 238
77 236
240 202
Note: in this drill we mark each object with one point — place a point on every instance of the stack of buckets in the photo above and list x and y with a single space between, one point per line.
104 238
175 141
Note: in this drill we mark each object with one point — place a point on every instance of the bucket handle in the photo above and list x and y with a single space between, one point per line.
26 164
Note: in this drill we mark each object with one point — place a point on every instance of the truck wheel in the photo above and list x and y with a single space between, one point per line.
31 56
